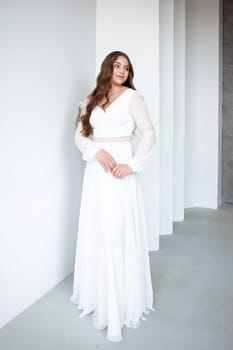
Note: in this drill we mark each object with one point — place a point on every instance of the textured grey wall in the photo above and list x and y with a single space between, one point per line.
227 136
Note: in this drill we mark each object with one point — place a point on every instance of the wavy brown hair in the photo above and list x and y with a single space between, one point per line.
101 91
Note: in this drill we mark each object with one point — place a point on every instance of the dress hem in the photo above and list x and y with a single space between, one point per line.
128 324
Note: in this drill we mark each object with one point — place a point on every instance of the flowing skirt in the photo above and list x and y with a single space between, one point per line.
112 278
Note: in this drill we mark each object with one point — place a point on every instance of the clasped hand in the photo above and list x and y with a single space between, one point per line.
109 164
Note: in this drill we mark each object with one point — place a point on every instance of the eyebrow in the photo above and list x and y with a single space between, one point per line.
126 65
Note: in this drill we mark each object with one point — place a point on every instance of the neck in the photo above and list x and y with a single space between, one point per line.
115 88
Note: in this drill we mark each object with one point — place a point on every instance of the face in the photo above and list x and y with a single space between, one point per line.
120 70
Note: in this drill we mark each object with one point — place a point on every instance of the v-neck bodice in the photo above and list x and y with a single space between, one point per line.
116 119
115 100
120 118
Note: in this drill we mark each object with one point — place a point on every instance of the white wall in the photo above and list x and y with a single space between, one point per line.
47 66
132 26
203 104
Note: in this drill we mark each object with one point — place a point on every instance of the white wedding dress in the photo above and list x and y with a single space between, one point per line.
112 279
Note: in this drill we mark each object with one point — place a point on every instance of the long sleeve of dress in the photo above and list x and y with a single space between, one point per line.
139 112
87 147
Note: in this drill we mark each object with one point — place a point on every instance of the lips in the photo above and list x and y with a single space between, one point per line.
120 76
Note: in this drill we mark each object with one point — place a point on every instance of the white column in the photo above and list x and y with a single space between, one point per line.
179 109
132 26
203 104
166 54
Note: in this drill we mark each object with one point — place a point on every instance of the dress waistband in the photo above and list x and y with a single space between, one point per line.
112 139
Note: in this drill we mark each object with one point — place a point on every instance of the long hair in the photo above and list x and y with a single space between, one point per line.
101 91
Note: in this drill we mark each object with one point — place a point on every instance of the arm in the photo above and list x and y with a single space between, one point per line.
139 112
87 147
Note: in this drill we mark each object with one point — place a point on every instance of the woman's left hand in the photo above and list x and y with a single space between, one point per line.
121 170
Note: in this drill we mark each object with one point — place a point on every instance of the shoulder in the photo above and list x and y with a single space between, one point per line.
137 104
135 93
83 105
136 97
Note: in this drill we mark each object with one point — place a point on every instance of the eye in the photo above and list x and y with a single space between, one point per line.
116 65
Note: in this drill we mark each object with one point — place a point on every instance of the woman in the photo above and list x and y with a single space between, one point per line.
112 272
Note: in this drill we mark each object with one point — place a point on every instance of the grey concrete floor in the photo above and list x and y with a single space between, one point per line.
193 284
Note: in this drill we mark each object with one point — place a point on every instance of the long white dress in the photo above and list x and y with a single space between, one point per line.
112 278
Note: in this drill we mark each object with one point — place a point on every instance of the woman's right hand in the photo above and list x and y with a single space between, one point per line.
106 160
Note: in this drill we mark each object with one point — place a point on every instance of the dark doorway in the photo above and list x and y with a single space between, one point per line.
227 123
